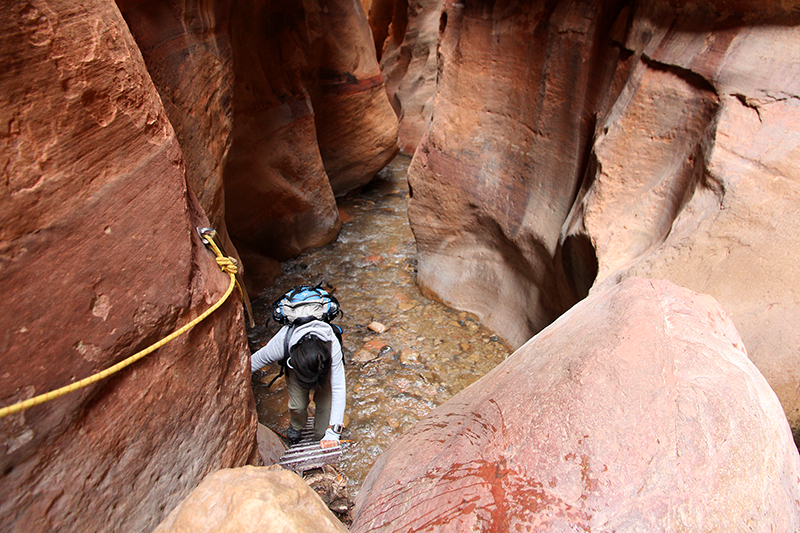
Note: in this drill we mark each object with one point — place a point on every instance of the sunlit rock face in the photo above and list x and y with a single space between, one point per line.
311 121
573 146
638 410
406 37
100 259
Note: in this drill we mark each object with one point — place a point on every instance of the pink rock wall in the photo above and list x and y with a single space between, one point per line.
638 410
576 145
696 172
493 179
100 259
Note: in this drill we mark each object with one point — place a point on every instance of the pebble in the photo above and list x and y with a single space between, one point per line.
377 327
409 357
363 356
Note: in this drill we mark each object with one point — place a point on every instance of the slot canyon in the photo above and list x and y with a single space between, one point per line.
601 202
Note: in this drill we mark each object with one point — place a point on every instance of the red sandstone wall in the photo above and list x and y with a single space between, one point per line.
100 259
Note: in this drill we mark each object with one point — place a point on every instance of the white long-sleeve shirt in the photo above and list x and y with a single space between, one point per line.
274 352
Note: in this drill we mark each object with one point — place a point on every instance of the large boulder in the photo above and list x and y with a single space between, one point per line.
100 259
576 144
638 410
249 499
695 173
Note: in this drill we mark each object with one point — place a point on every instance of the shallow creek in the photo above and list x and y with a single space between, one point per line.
428 352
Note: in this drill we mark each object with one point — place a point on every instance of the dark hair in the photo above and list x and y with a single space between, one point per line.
310 361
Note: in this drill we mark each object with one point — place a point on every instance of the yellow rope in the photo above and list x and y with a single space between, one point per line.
227 264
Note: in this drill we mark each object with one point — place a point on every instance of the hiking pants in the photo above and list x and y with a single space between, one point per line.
298 405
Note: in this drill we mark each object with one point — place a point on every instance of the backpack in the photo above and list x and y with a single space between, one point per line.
301 305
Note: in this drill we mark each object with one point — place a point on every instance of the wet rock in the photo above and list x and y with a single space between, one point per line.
374 345
377 327
636 410
386 352
363 356
409 357
245 499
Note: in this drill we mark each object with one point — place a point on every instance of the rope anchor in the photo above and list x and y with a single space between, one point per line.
227 264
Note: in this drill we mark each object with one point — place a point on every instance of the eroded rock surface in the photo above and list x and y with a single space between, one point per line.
638 410
406 34
100 259
356 126
186 47
575 145
252 499
696 169
494 177
311 121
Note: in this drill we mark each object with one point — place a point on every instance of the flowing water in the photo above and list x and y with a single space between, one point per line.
428 352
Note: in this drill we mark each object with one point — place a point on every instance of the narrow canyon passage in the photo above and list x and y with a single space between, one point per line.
428 353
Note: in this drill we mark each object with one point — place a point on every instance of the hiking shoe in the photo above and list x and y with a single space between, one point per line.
293 435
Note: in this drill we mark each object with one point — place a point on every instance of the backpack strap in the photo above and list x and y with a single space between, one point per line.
285 354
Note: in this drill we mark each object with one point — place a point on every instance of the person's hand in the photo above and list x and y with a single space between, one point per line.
328 444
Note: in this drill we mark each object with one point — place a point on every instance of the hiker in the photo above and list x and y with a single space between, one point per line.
313 361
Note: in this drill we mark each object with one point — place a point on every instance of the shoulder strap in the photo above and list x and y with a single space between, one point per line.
285 354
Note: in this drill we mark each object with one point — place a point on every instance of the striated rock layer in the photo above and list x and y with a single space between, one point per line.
356 127
638 410
100 259
575 144
186 47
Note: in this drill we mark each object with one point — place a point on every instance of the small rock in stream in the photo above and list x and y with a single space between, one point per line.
377 327
409 357
363 356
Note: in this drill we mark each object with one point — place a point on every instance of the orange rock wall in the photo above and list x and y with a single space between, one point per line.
311 121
